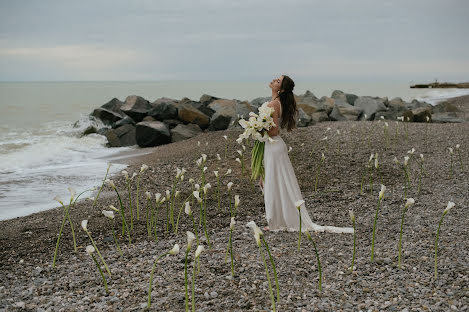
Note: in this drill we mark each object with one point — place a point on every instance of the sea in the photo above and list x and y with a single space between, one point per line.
42 152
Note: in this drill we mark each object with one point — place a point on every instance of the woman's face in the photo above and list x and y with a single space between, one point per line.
276 84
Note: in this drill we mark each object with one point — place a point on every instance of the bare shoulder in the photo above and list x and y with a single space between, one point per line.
275 104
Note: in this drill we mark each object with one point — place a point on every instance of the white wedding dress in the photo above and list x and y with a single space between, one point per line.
281 191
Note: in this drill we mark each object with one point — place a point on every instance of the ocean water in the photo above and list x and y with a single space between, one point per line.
42 153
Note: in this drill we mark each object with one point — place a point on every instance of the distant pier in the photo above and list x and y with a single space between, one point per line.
441 85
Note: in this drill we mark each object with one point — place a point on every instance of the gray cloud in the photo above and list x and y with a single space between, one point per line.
236 40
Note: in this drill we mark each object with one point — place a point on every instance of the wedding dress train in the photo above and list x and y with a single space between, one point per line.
281 191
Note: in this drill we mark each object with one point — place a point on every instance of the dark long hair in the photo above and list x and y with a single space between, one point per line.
288 102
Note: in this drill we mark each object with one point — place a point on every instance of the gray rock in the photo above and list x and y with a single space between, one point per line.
108 117
351 98
189 114
339 95
320 116
370 106
206 99
422 113
448 117
126 135
172 123
114 105
304 119
257 102
397 104
124 121
89 130
344 111
182 132
224 113
164 109
136 107
152 133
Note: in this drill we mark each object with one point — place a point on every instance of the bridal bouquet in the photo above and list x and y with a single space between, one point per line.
256 127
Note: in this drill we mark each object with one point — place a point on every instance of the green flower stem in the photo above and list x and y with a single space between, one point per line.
354 245
194 275
451 166
374 231
101 272
185 280
71 226
436 245
99 254
60 234
155 219
102 185
172 199
151 278
319 264
204 212
130 205
400 239
370 175
420 176
115 239
218 192
167 215
299 234
272 298
180 212
318 172
124 223
460 160
148 216
362 180
229 249
138 209
257 156
273 267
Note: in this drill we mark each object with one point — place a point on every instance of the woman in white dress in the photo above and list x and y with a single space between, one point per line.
281 189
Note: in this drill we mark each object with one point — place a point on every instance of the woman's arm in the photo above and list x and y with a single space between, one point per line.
274 130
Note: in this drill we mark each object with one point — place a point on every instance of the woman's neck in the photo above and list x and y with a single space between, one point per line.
274 95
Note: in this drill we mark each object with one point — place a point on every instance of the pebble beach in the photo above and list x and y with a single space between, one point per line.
29 282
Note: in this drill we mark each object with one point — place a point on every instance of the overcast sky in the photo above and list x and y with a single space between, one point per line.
359 40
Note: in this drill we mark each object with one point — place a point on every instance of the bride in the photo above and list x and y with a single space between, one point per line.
281 189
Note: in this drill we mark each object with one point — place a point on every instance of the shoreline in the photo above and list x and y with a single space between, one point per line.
27 243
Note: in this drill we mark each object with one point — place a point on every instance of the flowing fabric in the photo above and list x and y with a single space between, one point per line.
281 191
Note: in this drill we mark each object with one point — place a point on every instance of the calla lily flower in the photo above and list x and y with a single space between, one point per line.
199 250
204 158
352 215
143 168
157 197
236 201
188 209
168 194
298 203
206 188
57 198
322 156
190 239
72 193
197 196
381 192
175 250
409 202
226 138
218 157
216 173
448 208
84 225
406 160
257 231
90 249
197 187
289 149
228 171
176 195
126 174
108 213
148 195
205 169
113 208
238 160
191 180
229 185
111 183
232 223
457 146
450 149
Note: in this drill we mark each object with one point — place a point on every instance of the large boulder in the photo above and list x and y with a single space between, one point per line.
136 107
164 110
206 99
108 117
257 102
320 117
308 98
351 98
172 123
388 115
124 121
370 106
445 117
189 114
126 135
339 95
397 104
344 111
114 105
304 120
445 107
225 111
243 109
422 113
152 133
417 104
182 132
198 105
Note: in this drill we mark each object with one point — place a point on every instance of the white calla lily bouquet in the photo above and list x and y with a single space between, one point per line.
256 127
